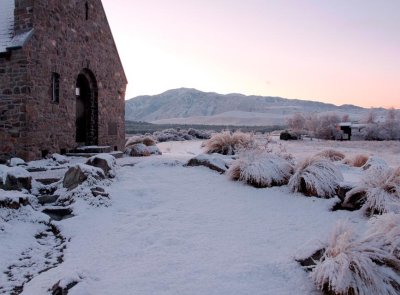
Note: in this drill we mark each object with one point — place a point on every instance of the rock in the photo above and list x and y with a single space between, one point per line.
106 162
141 150
60 289
355 198
16 162
15 178
60 159
154 150
342 190
77 174
13 200
309 262
99 192
47 181
138 150
58 213
214 162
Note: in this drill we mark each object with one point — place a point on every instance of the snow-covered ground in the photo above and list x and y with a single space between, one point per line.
173 229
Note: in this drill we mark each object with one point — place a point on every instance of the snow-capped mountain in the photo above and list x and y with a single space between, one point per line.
191 106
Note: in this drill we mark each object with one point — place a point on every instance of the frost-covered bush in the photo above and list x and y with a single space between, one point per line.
228 143
316 176
172 135
374 162
332 155
260 169
360 266
200 134
356 161
378 191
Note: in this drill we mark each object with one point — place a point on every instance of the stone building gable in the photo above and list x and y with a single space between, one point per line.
73 45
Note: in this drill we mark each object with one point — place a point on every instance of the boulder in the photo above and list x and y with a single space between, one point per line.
15 178
60 159
99 192
16 162
13 200
106 162
62 289
214 162
141 150
342 190
79 173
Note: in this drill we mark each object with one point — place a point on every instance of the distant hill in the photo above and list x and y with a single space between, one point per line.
191 106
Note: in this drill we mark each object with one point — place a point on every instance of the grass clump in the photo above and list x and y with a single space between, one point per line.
227 143
316 176
260 169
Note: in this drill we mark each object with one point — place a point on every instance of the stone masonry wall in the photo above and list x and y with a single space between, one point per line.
65 42
14 90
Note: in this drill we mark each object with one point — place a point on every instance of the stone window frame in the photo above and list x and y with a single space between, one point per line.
55 87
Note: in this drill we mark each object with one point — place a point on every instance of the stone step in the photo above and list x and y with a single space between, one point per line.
116 154
93 149
47 181
47 199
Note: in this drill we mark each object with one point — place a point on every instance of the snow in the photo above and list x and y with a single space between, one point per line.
16 162
14 171
172 229
6 23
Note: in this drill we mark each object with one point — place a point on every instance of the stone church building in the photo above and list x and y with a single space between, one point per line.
62 84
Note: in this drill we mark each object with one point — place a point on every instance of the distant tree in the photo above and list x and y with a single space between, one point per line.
328 127
311 123
392 125
370 118
346 118
296 122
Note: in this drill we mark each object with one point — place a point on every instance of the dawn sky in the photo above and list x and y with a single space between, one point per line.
342 51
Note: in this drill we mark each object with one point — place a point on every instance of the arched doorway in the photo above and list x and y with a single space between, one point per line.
86 109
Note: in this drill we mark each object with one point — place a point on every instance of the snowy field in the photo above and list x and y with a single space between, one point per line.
172 229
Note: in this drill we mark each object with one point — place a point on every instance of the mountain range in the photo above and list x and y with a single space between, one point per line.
191 106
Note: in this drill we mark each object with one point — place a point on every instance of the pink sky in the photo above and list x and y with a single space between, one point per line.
342 51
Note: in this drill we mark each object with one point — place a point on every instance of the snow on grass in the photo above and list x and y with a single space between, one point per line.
357 265
331 154
316 176
260 169
378 191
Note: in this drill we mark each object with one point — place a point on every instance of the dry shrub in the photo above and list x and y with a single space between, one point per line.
360 266
316 176
146 140
356 161
378 192
260 169
332 155
228 143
